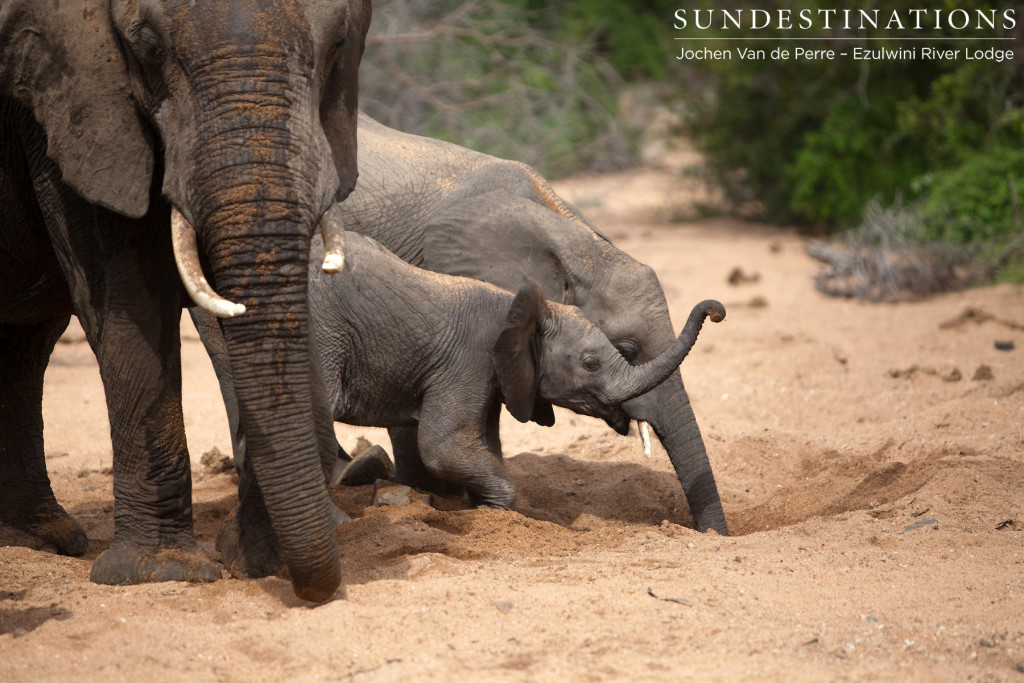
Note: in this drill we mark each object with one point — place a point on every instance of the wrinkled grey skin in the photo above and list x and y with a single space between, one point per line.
451 210
241 114
432 357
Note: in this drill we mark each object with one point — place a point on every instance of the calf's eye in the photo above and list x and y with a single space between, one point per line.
591 364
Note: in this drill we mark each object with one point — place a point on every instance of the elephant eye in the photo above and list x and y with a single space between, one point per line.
591 364
628 350
148 43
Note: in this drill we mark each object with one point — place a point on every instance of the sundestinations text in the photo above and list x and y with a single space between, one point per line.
846 19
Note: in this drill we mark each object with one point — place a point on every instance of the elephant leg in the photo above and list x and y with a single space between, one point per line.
460 454
140 365
126 292
247 543
409 468
213 340
29 512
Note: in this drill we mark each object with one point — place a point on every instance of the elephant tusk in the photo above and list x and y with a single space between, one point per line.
186 256
333 231
645 436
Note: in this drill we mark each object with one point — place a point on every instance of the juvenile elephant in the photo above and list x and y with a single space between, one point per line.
432 357
232 122
452 210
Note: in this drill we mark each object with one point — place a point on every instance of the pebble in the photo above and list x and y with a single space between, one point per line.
984 372
388 494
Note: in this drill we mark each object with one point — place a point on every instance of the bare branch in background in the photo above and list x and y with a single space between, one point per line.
886 259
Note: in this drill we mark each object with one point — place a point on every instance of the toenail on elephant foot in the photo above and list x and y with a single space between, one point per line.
250 554
125 563
339 516
51 530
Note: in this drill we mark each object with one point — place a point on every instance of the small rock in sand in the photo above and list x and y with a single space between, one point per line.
389 494
984 372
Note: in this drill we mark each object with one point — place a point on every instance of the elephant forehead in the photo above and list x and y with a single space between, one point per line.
201 28
569 314
575 331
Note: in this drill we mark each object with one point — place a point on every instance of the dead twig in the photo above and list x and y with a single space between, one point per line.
681 601
887 259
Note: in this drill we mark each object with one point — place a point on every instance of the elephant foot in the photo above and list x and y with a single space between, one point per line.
125 563
367 467
490 506
498 495
47 527
339 516
250 551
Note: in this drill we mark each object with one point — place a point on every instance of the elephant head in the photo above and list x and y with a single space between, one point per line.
551 354
245 112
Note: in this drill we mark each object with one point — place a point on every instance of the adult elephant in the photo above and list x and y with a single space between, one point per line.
234 122
449 209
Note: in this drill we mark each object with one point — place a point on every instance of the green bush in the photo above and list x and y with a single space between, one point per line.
854 156
978 200
814 142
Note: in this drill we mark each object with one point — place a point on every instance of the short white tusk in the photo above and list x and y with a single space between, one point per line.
333 231
645 436
183 239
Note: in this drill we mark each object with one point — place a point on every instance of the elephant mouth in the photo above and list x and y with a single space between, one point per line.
618 420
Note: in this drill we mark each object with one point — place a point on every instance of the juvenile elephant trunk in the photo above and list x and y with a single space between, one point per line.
639 379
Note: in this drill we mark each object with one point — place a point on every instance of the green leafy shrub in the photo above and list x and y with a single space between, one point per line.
978 200
813 142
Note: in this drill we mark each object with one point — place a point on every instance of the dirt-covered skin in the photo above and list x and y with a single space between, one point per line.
822 456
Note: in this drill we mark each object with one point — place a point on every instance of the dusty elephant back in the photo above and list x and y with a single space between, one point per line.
406 180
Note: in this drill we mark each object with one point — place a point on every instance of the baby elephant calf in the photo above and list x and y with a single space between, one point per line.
432 357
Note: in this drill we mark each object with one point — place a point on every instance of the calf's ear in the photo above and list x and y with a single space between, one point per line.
519 351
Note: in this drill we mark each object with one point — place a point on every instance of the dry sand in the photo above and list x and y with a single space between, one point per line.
864 508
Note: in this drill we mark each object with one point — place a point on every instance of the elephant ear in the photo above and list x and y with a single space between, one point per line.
339 108
62 61
519 351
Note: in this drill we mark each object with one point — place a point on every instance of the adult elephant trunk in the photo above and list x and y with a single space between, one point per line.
669 412
634 380
260 346
259 174
269 348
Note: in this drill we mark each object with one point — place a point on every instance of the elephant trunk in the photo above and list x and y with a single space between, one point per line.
269 351
634 380
670 414
255 202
